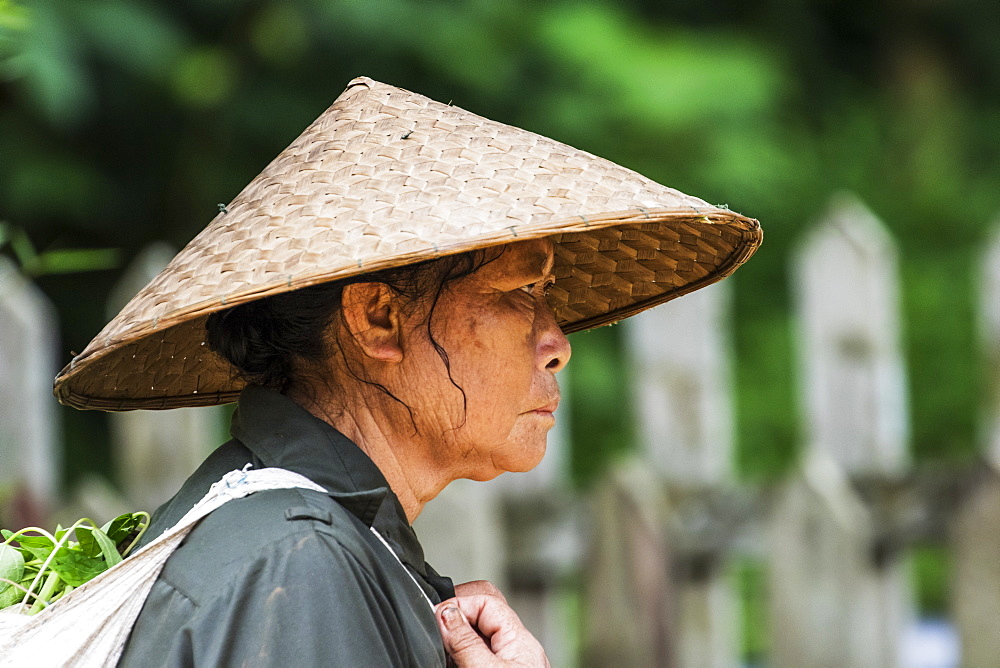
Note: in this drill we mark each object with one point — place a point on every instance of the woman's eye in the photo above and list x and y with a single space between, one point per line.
541 287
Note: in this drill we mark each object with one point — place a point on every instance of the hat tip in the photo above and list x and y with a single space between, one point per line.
360 81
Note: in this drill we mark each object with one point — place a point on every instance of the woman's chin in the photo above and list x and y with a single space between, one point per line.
527 457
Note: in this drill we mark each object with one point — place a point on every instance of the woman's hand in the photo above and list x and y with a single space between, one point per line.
480 629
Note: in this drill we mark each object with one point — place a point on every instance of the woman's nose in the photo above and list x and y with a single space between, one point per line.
554 349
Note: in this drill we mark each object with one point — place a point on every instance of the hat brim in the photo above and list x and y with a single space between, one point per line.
606 269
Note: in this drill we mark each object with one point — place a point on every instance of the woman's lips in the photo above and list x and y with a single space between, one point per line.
547 410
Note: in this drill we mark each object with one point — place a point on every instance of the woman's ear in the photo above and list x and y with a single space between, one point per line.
371 316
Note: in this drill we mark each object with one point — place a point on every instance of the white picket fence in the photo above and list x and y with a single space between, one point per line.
638 573
29 431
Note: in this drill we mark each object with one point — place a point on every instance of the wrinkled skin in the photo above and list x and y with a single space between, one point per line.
480 629
504 349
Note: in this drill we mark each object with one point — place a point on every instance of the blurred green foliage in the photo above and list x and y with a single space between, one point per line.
126 121
748 578
56 261
931 566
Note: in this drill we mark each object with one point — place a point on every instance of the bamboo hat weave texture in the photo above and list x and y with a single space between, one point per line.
384 178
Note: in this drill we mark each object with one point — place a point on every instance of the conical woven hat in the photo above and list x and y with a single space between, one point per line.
384 178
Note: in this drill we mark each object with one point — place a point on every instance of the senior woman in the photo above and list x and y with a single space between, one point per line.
388 302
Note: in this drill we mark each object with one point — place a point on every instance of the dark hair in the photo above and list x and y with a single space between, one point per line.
267 340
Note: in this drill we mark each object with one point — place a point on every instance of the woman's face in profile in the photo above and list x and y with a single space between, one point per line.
504 348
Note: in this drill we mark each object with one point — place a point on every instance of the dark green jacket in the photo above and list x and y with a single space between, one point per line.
290 577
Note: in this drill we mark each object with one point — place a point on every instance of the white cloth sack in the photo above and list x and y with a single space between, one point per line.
89 627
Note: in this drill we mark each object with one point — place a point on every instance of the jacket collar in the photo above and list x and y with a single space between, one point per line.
282 434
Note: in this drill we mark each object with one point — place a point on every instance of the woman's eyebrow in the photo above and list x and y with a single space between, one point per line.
530 273
539 263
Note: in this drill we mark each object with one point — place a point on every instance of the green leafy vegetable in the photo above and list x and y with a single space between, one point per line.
125 530
38 568
11 573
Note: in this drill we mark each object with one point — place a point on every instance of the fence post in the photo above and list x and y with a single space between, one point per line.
836 598
155 451
680 366
854 381
628 592
989 321
975 546
680 359
975 540
29 431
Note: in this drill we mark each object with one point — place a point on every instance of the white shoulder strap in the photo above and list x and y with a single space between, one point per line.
236 485
89 627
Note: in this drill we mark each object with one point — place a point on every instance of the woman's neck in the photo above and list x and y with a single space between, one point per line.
414 476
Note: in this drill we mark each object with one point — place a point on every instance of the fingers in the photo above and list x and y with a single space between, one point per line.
490 615
461 641
479 587
482 630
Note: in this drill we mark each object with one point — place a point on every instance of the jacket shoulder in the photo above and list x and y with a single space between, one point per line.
252 532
